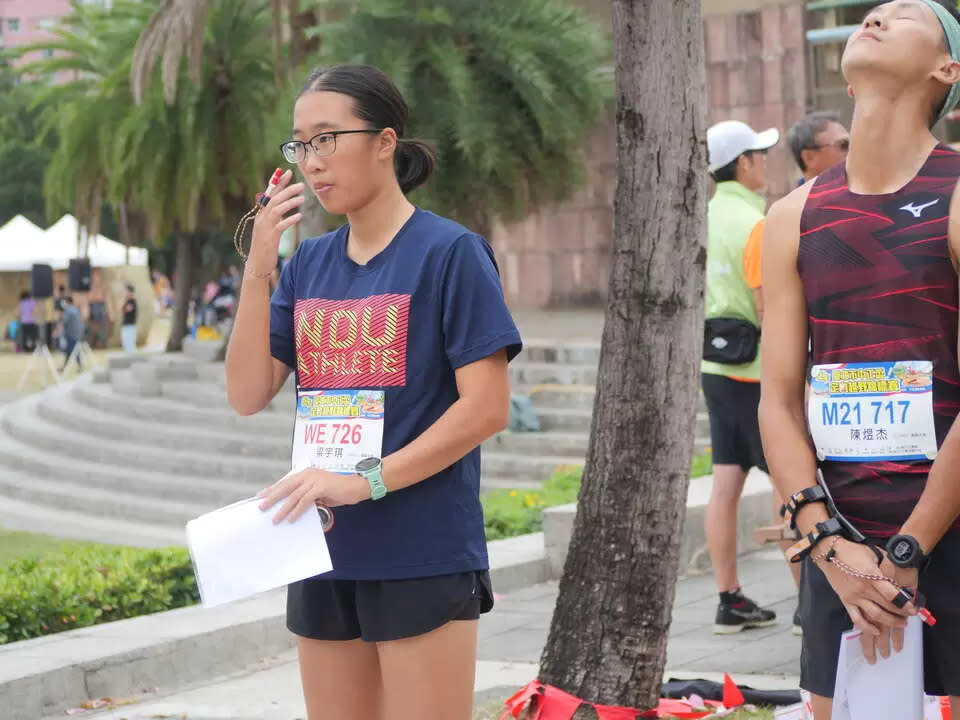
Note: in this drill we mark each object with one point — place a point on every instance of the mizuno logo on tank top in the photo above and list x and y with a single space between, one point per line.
881 293
917 210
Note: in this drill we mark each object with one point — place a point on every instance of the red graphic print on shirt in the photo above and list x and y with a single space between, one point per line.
352 343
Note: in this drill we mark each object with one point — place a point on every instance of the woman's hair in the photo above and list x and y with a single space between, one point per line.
378 102
25 295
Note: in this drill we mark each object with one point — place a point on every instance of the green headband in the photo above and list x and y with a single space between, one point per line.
951 28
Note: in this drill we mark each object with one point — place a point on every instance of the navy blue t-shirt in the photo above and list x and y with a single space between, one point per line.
429 303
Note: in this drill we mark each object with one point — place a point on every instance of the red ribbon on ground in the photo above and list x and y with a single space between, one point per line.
551 703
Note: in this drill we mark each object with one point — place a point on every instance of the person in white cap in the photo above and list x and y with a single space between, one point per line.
731 364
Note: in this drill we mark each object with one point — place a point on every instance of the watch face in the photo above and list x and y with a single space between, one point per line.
902 550
368 464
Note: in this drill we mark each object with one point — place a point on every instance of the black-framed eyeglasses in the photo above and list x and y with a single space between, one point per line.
323 144
841 145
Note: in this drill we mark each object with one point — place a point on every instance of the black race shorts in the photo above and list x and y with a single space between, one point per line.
382 610
734 427
825 620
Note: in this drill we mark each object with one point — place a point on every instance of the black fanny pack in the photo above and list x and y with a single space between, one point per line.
730 341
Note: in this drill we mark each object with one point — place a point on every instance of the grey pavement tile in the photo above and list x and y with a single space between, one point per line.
517 628
540 591
523 645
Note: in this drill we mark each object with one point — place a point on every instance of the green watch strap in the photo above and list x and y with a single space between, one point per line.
377 487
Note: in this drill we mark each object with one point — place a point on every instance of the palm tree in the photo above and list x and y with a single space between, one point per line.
87 48
176 31
608 638
507 90
190 166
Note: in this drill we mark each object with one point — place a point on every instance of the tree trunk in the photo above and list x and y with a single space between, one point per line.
181 291
608 637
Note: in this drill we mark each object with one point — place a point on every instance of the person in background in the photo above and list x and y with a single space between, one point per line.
817 141
731 375
128 329
28 331
59 300
74 330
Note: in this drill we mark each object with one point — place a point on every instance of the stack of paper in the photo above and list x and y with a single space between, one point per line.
891 688
238 551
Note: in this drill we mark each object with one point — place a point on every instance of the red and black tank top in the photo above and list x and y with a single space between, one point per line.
881 287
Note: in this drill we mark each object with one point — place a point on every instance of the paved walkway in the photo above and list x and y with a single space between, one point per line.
560 325
511 640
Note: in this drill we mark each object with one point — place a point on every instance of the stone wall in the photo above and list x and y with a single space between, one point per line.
756 72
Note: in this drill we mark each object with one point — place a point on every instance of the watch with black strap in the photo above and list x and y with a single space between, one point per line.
904 551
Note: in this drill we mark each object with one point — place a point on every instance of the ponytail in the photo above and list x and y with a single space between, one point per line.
414 162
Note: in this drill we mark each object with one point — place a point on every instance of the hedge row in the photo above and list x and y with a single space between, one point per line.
89 585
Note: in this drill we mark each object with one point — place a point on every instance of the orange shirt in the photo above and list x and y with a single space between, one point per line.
751 257
751 266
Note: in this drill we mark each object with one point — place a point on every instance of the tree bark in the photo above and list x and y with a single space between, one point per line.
181 291
608 637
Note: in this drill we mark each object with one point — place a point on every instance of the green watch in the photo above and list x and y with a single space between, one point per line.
369 468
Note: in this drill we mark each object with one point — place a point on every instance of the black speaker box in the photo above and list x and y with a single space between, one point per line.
78 275
41 281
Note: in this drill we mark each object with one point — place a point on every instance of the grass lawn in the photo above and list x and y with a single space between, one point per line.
16 545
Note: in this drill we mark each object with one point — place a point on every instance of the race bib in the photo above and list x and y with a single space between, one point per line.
873 411
335 429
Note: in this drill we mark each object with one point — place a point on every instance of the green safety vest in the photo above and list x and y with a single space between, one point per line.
731 215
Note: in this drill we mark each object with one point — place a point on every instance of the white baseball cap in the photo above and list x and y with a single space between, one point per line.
728 140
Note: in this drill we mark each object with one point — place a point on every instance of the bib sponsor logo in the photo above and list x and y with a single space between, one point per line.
352 343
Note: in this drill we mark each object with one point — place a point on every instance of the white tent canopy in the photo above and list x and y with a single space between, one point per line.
22 244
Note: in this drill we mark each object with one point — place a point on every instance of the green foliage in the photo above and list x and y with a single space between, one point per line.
507 513
180 165
86 586
702 464
24 151
507 91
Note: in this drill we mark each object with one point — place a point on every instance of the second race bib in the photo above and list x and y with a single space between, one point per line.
335 429
873 411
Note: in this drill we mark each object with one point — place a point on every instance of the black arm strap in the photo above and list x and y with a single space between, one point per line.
799 500
804 546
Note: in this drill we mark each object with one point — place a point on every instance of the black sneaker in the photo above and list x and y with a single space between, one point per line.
797 625
743 613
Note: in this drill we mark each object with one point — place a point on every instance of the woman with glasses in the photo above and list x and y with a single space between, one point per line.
397 330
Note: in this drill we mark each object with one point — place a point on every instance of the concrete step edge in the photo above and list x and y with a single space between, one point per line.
184 646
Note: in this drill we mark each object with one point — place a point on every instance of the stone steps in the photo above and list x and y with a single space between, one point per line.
139 479
153 441
206 437
64 523
24 424
43 483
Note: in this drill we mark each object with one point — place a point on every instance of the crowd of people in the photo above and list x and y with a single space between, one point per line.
823 315
62 323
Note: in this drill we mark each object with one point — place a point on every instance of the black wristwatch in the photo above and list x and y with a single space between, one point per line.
904 551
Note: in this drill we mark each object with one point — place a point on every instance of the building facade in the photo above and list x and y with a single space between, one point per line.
756 56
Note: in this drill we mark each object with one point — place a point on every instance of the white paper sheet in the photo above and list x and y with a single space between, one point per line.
891 688
237 551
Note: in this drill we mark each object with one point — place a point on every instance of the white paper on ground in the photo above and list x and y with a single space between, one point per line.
237 551
891 688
